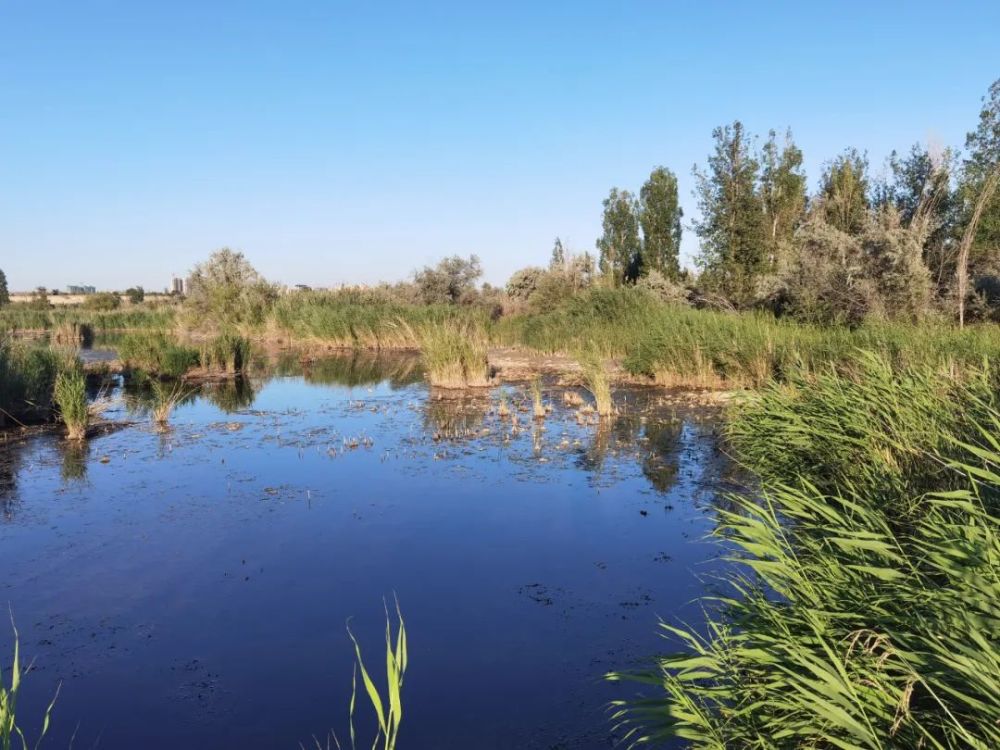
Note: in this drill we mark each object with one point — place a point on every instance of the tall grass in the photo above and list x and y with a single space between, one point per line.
27 376
229 352
454 354
9 729
862 607
597 382
17 318
70 394
156 354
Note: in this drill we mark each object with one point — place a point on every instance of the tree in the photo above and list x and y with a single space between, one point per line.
450 281
731 227
920 190
227 291
782 193
558 260
4 292
844 192
619 245
983 148
135 294
660 217
523 283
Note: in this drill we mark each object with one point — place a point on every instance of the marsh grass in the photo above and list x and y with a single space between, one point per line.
70 395
9 691
860 607
503 408
598 383
537 405
229 353
454 354
167 395
27 377
156 354
73 333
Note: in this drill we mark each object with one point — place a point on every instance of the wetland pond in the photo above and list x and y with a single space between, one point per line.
189 588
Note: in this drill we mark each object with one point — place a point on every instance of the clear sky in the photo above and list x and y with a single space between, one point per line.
336 142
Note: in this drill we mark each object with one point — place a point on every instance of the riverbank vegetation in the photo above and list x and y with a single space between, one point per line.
861 610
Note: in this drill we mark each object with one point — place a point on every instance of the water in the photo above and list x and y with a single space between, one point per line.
190 588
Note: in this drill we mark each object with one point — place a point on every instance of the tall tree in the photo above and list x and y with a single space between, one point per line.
983 148
558 260
660 217
4 292
782 193
920 189
731 227
844 192
619 245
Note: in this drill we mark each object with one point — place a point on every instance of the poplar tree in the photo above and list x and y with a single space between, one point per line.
782 193
983 148
660 218
731 228
620 249
844 192
4 292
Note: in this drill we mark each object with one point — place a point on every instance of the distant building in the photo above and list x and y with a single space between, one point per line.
176 286
80 289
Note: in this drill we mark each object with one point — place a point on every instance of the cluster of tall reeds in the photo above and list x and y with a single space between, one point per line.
20 317
861 610
156 354
454 354
597 381
70 395
228 352
27 377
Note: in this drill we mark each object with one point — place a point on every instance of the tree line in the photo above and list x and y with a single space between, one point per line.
923 237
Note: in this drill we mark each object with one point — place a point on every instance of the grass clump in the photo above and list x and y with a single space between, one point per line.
537 405
70 395
27 377
861 610
454 354
228 352
156 354
597 382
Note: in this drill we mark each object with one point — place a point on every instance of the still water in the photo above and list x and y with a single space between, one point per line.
189 588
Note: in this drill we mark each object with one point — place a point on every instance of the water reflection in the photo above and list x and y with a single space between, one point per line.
455 415
74 460
353 369
231 395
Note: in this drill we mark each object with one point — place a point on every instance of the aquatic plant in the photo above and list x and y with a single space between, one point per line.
27 377
538 408
9 729
73 333
228 352
70 395
861 606
156 354
167 395
503 408
597 382
455 355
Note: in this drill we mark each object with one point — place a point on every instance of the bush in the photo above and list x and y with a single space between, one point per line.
104 301
227 292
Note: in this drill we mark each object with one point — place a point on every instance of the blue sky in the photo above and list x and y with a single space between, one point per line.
350 143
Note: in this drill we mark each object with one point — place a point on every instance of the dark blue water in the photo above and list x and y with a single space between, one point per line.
190 588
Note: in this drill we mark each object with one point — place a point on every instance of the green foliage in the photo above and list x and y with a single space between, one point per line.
660 218
4 292
451 281
24 317
865 576
70 395
27 376
782 193
227 292
524 282
135 294
731 227
983 148
228 352
844 192
619 245
156 354
104 301
9 729
454 354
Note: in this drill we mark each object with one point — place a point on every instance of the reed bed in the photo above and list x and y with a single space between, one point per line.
70 395
27 377
598 383
454 354
19 318
861 606
228 352
156 354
